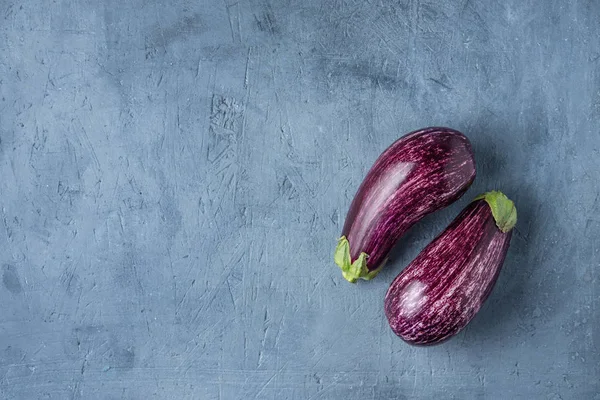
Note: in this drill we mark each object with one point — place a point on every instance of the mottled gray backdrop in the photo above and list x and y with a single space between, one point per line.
174 176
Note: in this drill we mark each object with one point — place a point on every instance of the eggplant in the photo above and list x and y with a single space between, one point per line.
418 174
442 289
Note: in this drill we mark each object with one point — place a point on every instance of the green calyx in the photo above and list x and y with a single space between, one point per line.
503 209
352 271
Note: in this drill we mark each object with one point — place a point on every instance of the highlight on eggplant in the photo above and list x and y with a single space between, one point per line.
421 172
442 289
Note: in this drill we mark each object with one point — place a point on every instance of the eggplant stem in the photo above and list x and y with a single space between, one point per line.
352 271
503 209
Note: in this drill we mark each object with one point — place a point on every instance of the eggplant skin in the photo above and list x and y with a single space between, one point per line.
442 289
420 173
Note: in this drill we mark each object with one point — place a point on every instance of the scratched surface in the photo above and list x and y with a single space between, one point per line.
174 176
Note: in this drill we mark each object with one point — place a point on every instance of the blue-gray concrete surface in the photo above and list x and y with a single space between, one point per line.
174 176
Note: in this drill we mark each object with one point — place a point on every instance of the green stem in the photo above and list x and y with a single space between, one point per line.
352 271
503 209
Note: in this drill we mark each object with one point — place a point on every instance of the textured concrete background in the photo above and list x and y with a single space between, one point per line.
174 177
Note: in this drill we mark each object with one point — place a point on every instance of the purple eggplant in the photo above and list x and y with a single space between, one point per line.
443 288
420 173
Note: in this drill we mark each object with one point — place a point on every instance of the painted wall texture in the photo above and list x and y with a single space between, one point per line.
174 176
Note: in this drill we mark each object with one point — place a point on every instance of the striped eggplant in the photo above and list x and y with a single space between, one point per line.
443 288
420 173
